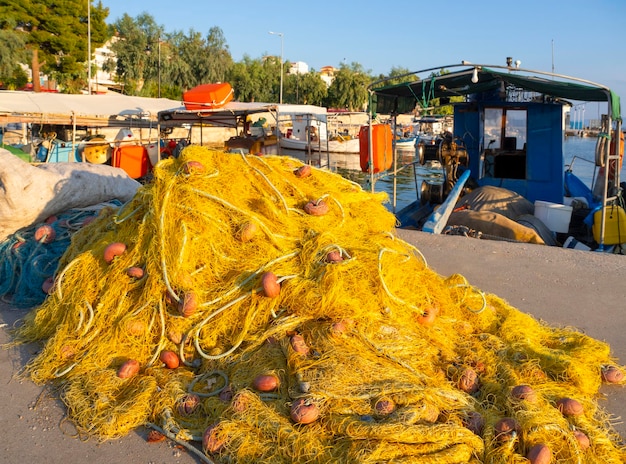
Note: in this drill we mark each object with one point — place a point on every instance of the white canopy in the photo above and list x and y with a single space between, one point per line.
97 110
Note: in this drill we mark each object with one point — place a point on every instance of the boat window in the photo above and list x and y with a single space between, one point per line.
493 127
504 132
515 128
505 129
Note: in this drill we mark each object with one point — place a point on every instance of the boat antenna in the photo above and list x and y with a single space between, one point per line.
553 56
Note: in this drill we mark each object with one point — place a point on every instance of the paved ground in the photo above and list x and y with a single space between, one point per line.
563 287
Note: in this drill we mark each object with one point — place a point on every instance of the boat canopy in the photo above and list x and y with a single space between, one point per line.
232 114
91 110
481 79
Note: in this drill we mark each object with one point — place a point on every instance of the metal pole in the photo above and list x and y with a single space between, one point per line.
281 68
159 69
89 46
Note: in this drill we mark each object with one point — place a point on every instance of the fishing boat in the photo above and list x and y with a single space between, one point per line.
508 132
305 128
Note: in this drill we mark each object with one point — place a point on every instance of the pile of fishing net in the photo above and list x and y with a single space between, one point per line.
257 310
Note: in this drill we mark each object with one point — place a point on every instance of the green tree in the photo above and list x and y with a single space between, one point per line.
135 59
307 89
256 79
397 75
151 61
270 91
349 88
12 53
240 76
197 60
56 35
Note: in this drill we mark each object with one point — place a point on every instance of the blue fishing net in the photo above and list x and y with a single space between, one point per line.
26 263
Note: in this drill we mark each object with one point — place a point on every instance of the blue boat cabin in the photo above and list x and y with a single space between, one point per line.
514 145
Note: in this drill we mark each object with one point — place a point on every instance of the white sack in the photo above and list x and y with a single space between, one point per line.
30 194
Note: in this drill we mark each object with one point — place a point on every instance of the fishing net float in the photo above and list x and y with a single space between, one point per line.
272 315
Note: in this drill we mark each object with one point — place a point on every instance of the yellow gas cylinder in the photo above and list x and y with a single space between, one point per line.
97 153
614 225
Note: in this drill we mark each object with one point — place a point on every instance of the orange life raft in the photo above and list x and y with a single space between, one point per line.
208 96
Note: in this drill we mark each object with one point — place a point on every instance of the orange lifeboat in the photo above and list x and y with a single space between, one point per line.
208 96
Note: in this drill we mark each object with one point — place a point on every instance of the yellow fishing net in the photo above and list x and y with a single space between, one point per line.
303 330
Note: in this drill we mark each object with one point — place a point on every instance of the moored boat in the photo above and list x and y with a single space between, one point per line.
305 128
508 132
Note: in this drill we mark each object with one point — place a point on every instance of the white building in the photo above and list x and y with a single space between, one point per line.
101 81
299 67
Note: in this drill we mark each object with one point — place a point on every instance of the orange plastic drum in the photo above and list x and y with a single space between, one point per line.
382 150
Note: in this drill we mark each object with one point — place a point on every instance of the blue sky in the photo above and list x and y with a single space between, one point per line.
585 39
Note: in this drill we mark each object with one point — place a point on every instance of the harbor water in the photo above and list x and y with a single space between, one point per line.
579 156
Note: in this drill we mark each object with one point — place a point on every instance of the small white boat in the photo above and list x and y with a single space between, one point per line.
306 129
336 145
406 143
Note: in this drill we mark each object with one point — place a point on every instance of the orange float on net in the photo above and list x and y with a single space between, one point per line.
211 441
524 392
188 404
48 285
384 406
113 250
428 316
334 257
506 429
304 411
540 454
129 369
170 359
303 171
316 208
570 407
248 231
271 287
45 234
612 374
188 304
135 272
266 383
299 345
192 166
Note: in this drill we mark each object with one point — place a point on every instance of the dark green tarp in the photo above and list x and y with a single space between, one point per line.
402 98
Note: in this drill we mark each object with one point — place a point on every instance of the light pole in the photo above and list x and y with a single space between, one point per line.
89 46
280 34
159 69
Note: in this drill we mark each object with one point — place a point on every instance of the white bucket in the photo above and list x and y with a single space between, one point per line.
556 217
124 136
574 244
153 152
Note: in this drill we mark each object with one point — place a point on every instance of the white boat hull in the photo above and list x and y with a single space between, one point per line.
331 146
406 143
